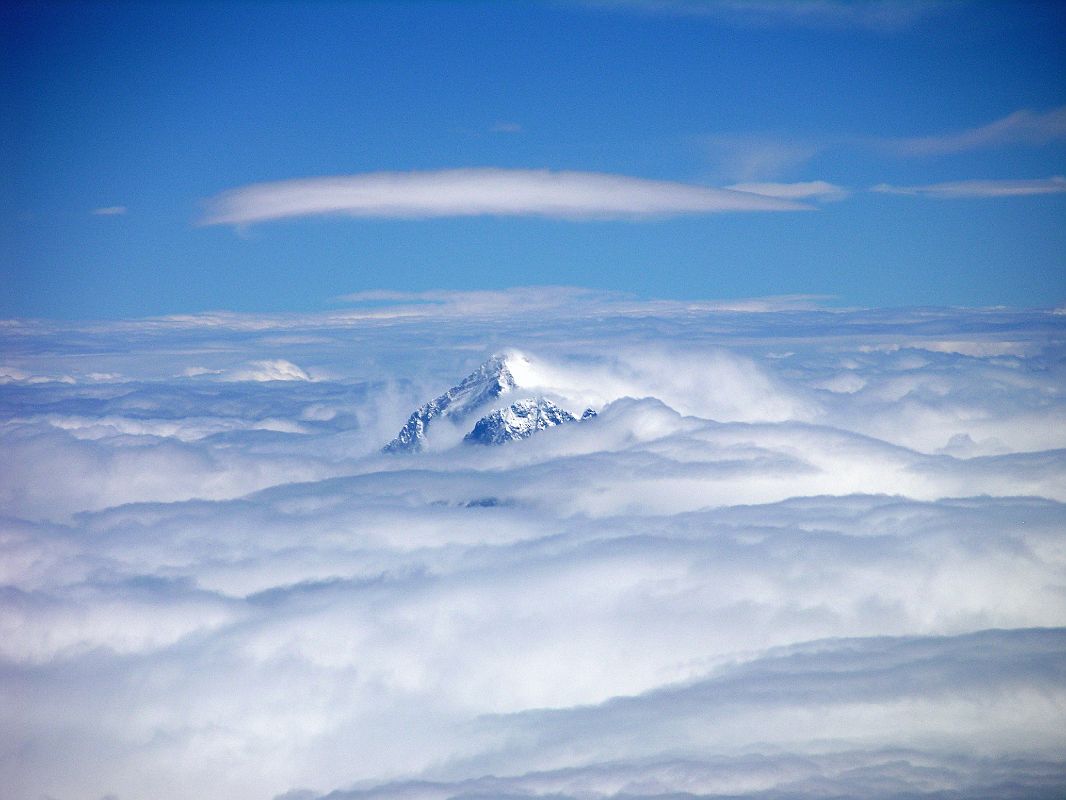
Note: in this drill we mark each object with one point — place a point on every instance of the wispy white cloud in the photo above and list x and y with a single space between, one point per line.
883 16
1021 127
805 190
475 192
443 302
503 126
756 157
9 374
979 188
109 211
552 300
197 372
276 369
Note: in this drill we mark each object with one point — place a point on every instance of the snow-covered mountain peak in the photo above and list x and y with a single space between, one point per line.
520 420
484 385
485 389
491 379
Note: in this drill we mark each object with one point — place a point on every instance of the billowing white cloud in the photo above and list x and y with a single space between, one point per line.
800 552
952 190
475 192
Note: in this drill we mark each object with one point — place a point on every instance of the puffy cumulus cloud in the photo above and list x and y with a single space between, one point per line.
800 552
476 192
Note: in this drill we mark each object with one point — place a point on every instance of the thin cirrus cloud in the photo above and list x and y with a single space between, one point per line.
109 211
803 190
881 16
479 192
1021 127
503 126
753 156
953 190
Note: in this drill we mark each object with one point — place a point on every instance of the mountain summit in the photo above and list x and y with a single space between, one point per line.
481 391
518 421
487 383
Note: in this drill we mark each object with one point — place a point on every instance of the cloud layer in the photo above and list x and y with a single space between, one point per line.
763 571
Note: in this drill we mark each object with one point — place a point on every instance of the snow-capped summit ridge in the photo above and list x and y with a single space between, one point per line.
490 388
487 383
520 420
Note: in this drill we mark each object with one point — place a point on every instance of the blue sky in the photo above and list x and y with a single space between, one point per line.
134 132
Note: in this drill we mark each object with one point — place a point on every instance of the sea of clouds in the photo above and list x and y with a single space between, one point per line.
800 552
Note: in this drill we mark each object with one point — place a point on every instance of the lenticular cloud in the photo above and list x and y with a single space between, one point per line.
484 191
795 553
